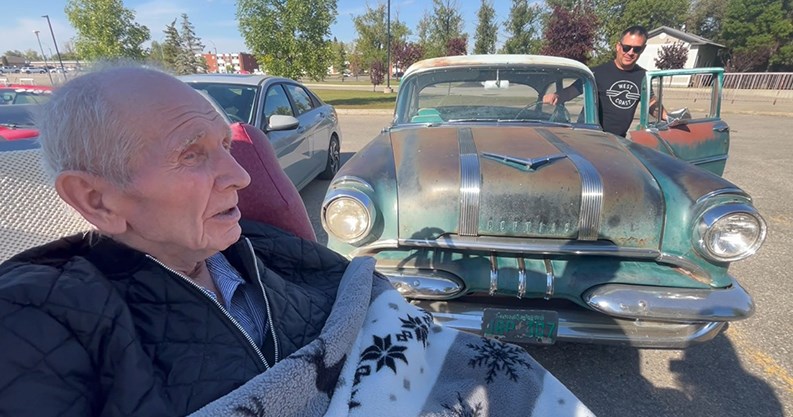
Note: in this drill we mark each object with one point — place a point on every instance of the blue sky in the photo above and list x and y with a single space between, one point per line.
214 20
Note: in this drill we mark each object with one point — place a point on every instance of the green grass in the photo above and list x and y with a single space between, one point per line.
356 99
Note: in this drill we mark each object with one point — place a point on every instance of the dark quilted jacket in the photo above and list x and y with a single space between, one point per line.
96 328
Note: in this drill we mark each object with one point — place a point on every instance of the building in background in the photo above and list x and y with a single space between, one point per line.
701 52
235 63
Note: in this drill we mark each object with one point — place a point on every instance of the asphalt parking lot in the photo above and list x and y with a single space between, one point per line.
745 371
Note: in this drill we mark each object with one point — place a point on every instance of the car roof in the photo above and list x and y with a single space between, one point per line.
242 79
494 59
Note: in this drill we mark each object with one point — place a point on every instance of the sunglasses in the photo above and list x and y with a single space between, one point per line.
626 48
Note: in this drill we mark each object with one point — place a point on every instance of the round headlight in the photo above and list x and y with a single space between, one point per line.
346 218
348 215
730 235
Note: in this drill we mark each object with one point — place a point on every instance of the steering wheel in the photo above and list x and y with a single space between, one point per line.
560 114
235 118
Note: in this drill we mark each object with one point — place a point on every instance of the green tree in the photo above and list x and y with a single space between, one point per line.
187 62
171 47
486 29
523 27
156 55
32 55
106 29
706 18
356 61
759 34
339 58
437 29
15 52
290 38
618 15
68 53
372 29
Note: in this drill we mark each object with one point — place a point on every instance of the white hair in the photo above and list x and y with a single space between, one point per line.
79 128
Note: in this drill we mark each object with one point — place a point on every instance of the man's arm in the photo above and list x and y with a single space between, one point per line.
654 109
564 95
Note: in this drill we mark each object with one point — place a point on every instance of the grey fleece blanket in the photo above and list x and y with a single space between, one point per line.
378 355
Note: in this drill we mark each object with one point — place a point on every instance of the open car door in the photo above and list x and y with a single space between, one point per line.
694 131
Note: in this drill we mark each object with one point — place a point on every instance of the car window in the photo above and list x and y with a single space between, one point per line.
236 100
301 98
277 102
489 94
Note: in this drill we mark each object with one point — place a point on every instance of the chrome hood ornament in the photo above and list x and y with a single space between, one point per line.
528 165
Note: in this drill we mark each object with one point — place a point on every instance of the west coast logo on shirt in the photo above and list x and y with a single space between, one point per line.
623 94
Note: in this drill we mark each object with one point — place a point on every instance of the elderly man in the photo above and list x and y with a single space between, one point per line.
172 306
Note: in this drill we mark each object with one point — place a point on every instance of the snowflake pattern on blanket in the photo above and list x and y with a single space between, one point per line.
497 357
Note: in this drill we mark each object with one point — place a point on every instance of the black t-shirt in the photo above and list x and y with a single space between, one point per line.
618 95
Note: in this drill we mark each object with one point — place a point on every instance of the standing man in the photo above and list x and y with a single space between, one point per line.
618 84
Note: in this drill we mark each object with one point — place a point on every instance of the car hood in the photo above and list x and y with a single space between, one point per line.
16 134
518 181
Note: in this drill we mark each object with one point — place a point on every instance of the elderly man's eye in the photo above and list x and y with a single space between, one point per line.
190 156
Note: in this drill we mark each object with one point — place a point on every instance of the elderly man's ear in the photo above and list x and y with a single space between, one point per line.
93 198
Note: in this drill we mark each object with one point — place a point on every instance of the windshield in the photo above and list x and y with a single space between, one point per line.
236 100
493 94
17 116
23 96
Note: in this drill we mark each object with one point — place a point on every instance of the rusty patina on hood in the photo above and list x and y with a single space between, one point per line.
545 202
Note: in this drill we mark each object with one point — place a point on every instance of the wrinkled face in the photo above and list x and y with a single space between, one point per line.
182 202
632 42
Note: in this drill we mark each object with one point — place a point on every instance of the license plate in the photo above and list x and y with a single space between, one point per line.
536 327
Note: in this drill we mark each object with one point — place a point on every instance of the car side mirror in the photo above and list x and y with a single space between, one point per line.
279 122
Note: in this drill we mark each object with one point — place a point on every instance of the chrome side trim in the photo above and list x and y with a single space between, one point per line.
493 274
470 183
530 246
352 180
584 326
521 278
549 279
639 302
374 248
692 270
708 160
723 191
591 188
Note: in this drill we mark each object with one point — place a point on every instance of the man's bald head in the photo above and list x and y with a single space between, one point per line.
99 122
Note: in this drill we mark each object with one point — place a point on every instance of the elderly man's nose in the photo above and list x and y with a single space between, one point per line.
232 173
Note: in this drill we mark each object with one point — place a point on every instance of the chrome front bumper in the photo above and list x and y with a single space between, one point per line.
640 316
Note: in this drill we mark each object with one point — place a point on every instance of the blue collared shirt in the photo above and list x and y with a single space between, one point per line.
243 300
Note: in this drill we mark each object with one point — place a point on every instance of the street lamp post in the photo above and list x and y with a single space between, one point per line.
46 65
63 70
388 52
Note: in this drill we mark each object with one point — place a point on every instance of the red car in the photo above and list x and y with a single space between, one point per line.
17 102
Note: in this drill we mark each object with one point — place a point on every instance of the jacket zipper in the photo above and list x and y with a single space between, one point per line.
264 295
223 310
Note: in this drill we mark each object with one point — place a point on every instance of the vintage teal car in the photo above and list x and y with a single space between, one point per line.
523 221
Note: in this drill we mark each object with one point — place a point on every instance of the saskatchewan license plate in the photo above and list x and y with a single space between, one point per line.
537 327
